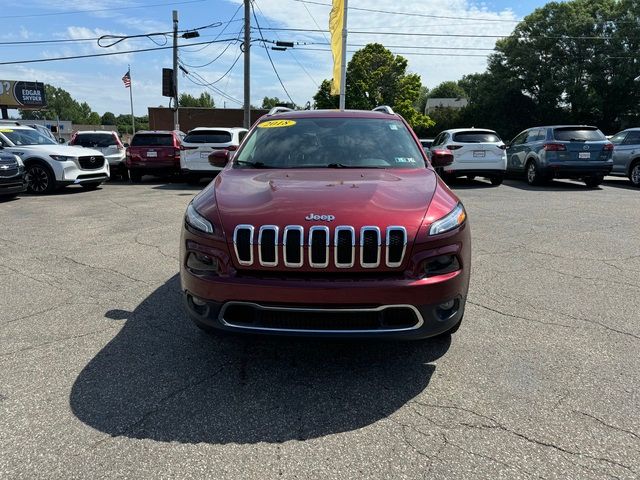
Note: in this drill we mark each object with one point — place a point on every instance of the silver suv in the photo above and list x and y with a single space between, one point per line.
626 155
49 165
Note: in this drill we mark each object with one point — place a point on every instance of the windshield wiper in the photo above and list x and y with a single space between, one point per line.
342 165
253 164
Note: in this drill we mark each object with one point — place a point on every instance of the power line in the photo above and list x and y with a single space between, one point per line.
116 39
103 9
122 52
213 89
214 59
409 53
266 49
231 20
422 47
461 35
408 14
290 50
225 73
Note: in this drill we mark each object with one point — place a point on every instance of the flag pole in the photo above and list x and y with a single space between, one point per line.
133 119
343 63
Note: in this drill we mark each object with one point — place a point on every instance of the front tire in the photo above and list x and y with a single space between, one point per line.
39 179
534 177
593 181
634 174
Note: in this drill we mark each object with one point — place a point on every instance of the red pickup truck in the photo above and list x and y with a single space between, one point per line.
327 223
154 152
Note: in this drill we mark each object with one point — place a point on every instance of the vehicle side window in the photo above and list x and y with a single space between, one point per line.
519 140
618 138
533 135
241 136
633 138
436 141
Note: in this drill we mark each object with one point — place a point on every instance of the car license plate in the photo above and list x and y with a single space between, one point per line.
204 155
152 154
479 153
585 155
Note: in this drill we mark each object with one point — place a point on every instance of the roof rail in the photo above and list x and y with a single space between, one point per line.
275 110
384 109
10 122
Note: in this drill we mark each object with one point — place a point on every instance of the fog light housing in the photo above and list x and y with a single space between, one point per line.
447 310
201 262
440 265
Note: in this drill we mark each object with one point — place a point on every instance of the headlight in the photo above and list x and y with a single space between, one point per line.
62 158
20 162
453 219
197 221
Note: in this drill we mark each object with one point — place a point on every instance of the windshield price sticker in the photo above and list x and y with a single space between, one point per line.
6 130
277 124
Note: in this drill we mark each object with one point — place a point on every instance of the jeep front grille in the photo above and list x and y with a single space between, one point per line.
368 247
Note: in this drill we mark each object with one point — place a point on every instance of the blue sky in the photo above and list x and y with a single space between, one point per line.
98 80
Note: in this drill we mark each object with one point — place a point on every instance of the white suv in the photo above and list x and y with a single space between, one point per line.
476 152
108 143
49 165
199 143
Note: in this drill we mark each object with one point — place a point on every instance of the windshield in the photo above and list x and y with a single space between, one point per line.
152 140
26 136
95 140
208 136
578 134
330 143
476 137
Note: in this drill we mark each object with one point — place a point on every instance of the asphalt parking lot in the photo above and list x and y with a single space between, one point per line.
103 376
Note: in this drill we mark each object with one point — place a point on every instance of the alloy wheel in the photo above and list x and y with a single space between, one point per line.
37 179
531 173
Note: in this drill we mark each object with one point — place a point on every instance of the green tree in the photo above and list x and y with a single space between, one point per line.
421 103
108 119
93 119
205 100
449 89
375 76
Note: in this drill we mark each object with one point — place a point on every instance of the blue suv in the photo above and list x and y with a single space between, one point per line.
563 151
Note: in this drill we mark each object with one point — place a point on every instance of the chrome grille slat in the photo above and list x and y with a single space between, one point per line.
286 243
363 239
248 259
264 229
318 242
312 246
337 247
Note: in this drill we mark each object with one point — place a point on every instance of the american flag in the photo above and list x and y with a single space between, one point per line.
127 79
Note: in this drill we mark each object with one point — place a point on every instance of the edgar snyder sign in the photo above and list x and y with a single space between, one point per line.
22 94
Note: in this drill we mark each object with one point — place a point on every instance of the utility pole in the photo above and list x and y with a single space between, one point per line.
176 122
247 65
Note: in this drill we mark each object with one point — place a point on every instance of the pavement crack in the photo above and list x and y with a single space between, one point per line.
139 242
602 422
519 317
103 269
58 340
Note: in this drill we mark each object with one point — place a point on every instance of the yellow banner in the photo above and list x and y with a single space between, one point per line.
336 23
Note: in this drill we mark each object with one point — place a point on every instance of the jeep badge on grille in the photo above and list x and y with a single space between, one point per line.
324 218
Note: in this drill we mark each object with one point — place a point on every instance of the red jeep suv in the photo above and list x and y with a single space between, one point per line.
327 223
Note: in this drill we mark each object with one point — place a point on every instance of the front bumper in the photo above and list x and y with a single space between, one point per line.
14 184
70 173
317 300
498 173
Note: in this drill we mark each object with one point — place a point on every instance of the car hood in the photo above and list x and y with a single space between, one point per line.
67 150
287 197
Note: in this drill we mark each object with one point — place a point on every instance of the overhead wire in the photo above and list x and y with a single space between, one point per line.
266 49
291 52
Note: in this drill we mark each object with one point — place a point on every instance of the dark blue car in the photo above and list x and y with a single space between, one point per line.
12 179
564 151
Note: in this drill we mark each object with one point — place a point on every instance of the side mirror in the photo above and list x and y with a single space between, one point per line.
125 145
219 158
61 140
441 158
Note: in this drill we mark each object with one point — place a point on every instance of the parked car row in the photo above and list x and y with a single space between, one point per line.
31 160
540 154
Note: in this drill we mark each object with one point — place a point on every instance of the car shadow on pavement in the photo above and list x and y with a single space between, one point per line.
620 182
550 186
466 184
160 378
